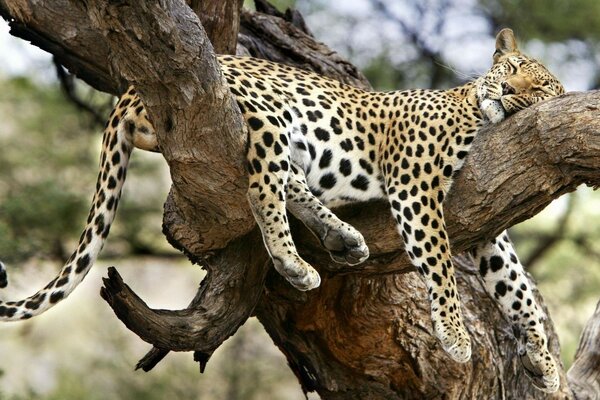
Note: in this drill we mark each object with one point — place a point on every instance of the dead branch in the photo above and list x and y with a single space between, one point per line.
211 317
67 84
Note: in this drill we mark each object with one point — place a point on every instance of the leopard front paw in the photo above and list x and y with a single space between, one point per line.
297 272
493 110
539 365
346 245
454 339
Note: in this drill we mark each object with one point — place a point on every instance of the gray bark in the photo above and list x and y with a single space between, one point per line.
584 374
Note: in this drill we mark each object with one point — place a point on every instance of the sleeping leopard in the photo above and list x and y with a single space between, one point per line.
315 143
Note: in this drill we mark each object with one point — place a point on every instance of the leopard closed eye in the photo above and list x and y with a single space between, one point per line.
315 143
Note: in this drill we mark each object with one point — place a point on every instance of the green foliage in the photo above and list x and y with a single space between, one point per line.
45 142
548 20
37 218
281 5
384 75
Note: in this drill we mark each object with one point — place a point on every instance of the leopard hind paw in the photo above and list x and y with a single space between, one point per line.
540 367
346 245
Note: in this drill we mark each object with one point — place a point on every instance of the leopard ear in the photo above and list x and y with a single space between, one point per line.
505 43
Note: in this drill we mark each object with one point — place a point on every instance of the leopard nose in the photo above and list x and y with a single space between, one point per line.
507 89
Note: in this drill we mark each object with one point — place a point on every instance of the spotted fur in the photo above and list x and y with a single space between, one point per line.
314 143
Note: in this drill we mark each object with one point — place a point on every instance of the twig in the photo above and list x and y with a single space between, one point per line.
67 84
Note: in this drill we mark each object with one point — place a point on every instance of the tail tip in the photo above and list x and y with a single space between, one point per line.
3 277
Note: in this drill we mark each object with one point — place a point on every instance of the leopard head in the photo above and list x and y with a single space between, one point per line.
514 82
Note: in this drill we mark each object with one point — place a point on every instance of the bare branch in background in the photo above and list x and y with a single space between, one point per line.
413 33
547 242
67 84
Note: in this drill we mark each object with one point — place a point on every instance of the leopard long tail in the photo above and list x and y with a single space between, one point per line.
117 145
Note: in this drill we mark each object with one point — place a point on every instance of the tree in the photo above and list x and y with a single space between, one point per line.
366 332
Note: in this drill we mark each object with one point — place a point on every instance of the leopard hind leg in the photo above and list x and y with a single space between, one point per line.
344 243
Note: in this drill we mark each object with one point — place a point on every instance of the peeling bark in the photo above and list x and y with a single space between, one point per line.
366 332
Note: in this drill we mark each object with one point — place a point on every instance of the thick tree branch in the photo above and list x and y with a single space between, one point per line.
203 325
221 21
179 81
584 374
73 42
565 172
70 40
513 171
184 93
162 72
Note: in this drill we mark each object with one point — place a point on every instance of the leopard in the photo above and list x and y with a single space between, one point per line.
315 143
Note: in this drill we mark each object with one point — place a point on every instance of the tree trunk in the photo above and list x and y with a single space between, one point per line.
366 332
584 374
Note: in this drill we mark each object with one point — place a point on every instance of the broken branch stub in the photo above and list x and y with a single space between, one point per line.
226 298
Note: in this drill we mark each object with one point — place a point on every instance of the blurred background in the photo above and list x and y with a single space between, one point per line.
50 131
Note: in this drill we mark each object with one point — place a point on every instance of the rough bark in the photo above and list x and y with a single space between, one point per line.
366 332
221 21
206 207
69 41
584 374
